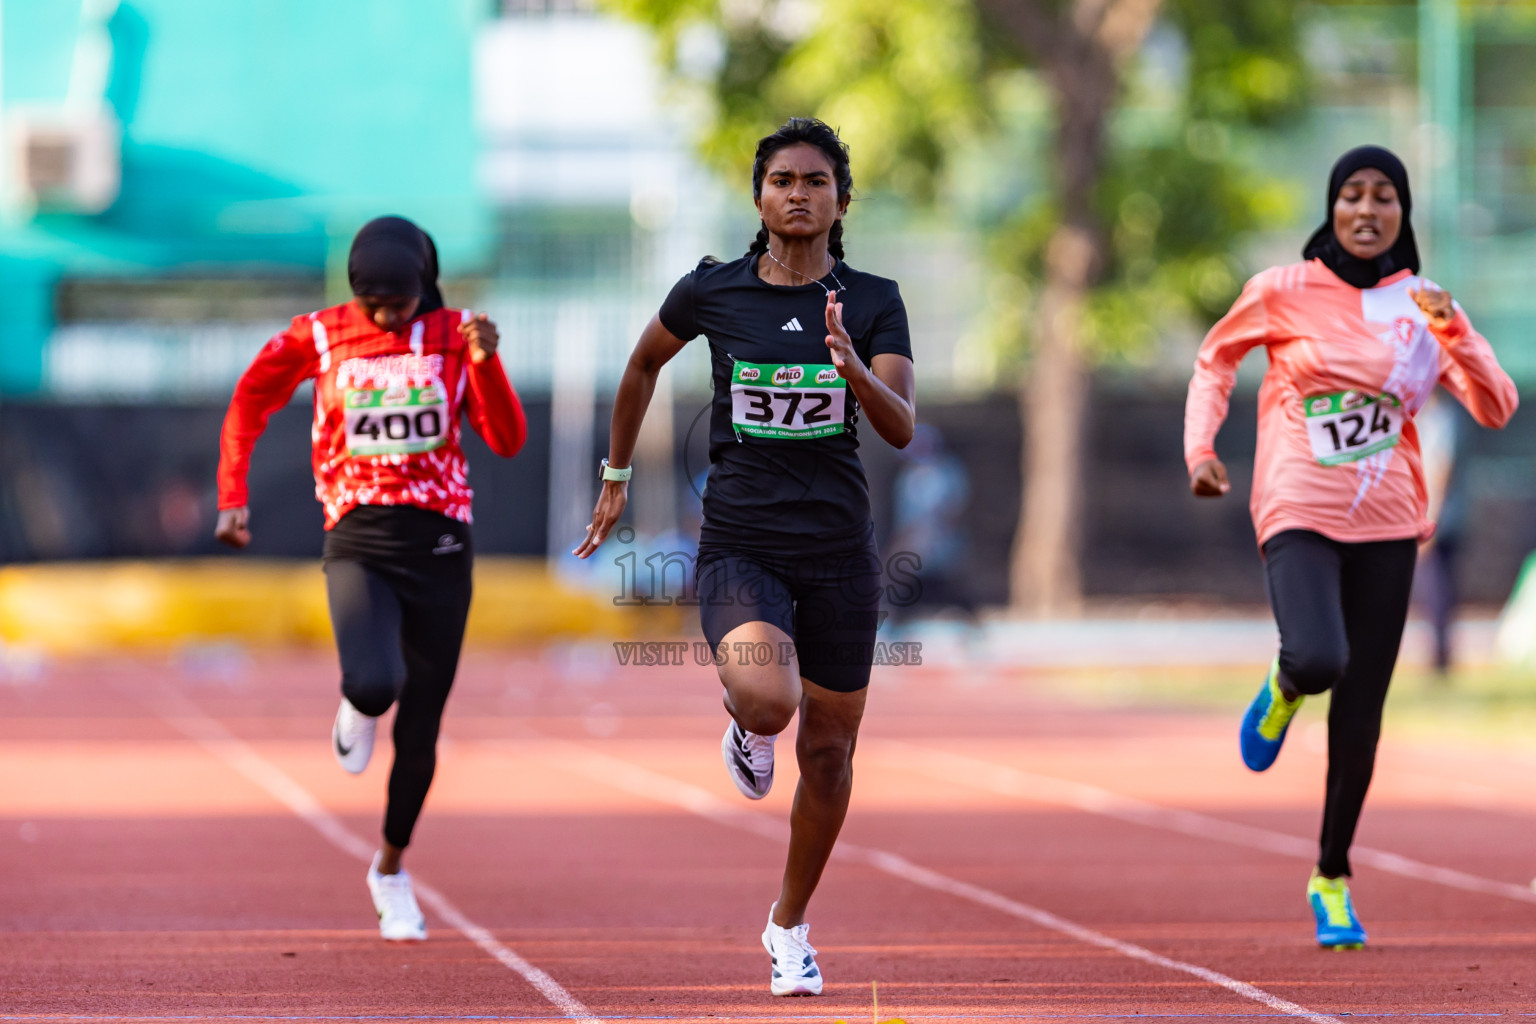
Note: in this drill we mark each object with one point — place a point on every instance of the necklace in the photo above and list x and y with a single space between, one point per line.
792 270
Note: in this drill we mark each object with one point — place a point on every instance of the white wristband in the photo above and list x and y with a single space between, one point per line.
616 474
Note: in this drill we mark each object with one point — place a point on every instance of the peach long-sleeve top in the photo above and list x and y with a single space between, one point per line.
1348 368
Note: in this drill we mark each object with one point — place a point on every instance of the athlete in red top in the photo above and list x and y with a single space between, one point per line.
388 393
393 372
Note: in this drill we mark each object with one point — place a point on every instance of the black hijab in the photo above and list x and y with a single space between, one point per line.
392 256
1325 245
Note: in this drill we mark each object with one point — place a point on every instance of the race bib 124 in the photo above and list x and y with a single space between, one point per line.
1350 425
799 401
396 420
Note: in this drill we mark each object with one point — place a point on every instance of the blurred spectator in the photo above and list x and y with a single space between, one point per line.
931 493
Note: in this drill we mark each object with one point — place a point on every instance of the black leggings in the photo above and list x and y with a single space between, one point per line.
1341 610
398 611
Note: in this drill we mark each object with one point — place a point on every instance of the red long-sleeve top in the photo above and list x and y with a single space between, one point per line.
387 410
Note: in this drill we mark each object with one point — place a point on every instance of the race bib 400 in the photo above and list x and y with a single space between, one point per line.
396 420
1350 425
797 401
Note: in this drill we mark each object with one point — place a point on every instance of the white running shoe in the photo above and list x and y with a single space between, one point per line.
749 759
400 918
794 961
352 737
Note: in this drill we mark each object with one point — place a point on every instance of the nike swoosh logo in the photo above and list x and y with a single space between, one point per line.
343 751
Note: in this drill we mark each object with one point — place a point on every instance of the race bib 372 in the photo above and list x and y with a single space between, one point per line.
797 401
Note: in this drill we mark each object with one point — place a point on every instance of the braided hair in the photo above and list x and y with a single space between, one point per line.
814 132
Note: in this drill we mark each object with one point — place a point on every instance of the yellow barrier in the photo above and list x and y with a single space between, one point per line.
81 608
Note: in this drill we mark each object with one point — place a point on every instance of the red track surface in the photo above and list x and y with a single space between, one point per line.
149 870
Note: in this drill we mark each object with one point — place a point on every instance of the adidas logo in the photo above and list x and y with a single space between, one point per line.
793 325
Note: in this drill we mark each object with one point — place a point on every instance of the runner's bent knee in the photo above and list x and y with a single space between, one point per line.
1315 668
761 701
373 687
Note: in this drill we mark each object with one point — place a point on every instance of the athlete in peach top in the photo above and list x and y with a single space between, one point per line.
1357 342
1326 338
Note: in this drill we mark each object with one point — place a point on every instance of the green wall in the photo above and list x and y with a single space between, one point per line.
257 137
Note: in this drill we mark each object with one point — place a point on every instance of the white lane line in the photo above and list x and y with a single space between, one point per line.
189 720
902 868
643 782
1006 780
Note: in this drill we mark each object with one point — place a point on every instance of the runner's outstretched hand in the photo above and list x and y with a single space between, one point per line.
844 357
482 337
1209 479
1436 305
234 526
610 505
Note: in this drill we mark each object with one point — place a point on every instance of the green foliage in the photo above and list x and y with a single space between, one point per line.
1175 208
1175 220
898 79
912 85
1172 219
1245 63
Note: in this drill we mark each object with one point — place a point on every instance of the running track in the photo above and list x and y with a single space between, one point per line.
176 843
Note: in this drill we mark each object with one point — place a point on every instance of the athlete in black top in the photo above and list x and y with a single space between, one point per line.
802 346
786 472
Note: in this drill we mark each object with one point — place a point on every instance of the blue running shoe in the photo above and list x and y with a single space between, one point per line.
1264 725
1337 925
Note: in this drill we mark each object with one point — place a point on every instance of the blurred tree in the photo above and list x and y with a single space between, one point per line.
1137 226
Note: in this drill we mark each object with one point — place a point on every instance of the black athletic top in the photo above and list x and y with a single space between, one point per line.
783 443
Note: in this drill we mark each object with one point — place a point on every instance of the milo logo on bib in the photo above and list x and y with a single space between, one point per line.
794 401
1349 425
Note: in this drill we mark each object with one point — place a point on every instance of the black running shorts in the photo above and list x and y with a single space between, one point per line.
829 604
